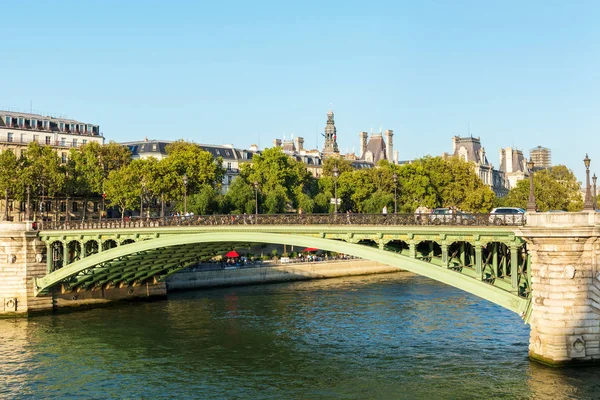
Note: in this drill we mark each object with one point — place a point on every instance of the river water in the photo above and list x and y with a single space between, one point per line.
394 336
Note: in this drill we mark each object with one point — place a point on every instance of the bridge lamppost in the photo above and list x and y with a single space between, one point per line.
28 213
531 207
587 204
255 197
336 173
395 179
595 198
185 182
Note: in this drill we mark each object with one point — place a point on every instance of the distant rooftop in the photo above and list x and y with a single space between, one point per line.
38 122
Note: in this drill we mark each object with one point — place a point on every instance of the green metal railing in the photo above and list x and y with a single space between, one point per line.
459 219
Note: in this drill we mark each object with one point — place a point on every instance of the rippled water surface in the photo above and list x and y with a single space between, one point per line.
394 336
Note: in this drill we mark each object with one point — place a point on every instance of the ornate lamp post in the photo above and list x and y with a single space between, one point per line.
142 199
531 207
587 204
255 197
395 179
336 173
185 182
595 198
28 213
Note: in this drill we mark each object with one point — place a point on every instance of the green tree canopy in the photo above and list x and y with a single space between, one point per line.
555 188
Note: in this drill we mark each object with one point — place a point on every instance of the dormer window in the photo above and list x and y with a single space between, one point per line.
8 121
61 126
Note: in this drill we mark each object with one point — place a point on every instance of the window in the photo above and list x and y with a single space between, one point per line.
63 141
74 142
21 121
33 123
8 121
61 126
36 138
48 206
63 206
46 124
63 157
71 127
9 138
84 141
74 206
96 208
48 139
228 166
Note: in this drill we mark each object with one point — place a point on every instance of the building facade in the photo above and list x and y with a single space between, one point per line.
379 146
330 147
541 157
469 149
18 129
513 165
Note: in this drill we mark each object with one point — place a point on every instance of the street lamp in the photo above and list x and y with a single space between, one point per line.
587 204
395 179
28 214
142 200
595 198
185 182
255 197
531 207
336 173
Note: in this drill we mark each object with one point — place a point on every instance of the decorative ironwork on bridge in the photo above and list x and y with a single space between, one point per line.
478 256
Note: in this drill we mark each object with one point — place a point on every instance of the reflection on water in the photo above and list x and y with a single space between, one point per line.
382 336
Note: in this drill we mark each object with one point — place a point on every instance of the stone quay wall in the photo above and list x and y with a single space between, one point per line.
278 273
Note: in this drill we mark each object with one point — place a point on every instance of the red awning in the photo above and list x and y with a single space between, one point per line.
310 249
232 254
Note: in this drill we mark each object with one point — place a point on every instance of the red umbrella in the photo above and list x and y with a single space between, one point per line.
310 249
232 254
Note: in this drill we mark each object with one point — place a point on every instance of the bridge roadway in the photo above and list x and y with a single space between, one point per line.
481 255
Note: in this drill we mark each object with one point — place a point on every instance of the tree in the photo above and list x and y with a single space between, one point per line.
123 187
207 200
240 199
555 188
9 172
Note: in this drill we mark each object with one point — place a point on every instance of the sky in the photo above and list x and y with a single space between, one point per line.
514 73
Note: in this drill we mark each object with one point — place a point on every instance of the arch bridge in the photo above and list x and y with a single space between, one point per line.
472 253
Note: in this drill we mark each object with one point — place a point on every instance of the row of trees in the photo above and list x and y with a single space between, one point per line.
274 181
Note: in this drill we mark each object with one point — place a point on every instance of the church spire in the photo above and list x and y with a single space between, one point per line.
330 147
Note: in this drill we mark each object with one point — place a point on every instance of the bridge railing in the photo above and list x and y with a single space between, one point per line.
458 219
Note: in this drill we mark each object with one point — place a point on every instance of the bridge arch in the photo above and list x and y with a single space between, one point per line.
481 289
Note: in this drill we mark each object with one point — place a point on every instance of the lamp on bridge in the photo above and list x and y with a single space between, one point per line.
185 182
395 179
595 198
336 173
256 197
587 204
28 214
531 207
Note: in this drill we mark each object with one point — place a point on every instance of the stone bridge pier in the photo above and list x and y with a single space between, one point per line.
565 309
23 257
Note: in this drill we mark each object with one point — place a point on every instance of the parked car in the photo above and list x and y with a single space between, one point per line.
448 216
507 216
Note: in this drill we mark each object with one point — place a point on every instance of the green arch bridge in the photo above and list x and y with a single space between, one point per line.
483 256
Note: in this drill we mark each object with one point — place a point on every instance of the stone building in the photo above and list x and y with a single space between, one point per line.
311 158
330 147
18 129
513 165
469 149
375 148
541 157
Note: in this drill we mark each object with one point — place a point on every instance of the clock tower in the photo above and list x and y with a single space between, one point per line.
330 147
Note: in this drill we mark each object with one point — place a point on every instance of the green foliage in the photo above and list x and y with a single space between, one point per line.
40 171
240 199
206 201
555 189
123 187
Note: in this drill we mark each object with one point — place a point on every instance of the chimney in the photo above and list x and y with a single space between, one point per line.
396 157
299 143
276 142
363 143
389 146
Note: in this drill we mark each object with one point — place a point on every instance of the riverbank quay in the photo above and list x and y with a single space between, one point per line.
248 275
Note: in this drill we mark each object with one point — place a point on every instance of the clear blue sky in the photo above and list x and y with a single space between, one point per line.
518 73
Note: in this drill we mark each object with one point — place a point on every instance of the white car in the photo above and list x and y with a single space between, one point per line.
507 216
